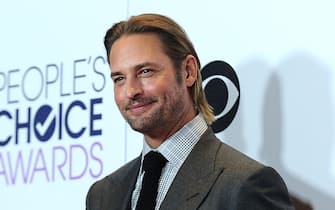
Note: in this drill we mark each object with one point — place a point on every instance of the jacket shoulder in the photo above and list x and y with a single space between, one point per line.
228 157
110 184
246 183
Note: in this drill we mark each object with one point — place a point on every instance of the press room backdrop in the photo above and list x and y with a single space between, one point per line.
60 129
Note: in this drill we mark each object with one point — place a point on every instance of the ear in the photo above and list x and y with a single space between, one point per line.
190 70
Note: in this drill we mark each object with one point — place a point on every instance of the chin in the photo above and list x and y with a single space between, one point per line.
141 127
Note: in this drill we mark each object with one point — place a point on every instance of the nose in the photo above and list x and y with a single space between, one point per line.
133 88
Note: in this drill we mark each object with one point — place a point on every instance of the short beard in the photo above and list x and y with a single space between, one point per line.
162 118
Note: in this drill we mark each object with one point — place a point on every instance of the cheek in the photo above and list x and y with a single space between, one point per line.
157 88
118 96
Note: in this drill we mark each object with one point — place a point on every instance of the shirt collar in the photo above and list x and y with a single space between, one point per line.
177 147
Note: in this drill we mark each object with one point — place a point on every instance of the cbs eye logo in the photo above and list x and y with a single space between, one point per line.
222 90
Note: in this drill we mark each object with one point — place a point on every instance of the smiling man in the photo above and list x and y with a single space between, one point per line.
157 88
146 88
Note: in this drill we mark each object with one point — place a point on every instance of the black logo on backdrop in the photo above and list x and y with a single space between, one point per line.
222 90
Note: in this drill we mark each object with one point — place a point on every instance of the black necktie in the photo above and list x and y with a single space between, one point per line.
153 164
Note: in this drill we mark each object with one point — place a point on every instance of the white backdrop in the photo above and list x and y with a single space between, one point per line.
64 131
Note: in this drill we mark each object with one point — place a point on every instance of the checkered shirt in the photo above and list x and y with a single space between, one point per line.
175 149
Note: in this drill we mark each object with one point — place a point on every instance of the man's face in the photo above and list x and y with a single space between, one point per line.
145 87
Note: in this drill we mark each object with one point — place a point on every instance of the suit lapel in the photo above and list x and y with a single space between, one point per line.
196 176
120 188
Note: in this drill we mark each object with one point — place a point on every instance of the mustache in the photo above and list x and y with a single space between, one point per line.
140 100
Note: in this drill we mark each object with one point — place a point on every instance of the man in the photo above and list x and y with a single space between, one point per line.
158 90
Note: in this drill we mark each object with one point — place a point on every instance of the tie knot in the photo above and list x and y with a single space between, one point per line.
153 161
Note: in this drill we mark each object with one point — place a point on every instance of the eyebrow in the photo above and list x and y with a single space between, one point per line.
113 74
137 67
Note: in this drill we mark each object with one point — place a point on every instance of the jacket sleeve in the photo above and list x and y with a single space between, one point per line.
264 189
94 196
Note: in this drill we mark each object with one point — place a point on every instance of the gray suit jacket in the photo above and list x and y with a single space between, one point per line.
213 177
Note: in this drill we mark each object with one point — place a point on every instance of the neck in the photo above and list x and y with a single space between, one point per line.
155 138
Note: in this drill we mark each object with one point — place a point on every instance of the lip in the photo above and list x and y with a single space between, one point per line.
139 108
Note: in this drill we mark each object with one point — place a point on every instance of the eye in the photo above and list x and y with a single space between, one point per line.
145 72
222 90
118 79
